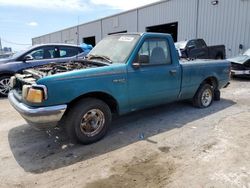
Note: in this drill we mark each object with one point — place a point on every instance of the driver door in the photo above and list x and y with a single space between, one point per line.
157 79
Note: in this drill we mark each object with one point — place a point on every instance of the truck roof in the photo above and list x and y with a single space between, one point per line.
142 33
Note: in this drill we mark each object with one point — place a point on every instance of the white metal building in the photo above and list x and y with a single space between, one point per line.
216 21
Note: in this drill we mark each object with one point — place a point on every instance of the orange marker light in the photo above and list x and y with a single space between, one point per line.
34 95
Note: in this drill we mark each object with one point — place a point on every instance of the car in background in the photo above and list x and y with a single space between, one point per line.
240 65
198 49
5 55
36 56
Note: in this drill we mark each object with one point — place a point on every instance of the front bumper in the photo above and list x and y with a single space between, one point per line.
240 72
40 117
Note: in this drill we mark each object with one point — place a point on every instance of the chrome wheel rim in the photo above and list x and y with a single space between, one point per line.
206 97
4 86
92 122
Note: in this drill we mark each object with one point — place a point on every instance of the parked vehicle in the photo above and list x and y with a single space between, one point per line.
241 64
123 73
36 56
198 49
5 55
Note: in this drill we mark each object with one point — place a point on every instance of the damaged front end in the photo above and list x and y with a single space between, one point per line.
24 85
30 76
26 95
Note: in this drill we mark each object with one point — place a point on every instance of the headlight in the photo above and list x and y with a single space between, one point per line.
25 91
12 81
35 93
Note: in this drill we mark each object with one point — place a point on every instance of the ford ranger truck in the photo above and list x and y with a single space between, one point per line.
122 74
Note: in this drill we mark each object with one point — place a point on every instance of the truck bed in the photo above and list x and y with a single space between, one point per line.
194 72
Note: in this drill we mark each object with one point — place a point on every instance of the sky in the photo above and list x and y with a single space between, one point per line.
21 20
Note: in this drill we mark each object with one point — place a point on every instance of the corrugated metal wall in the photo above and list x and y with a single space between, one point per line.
123 22
181 11
226 23
89 30
56 37
69 35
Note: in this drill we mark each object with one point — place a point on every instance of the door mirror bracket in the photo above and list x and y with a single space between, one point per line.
136 65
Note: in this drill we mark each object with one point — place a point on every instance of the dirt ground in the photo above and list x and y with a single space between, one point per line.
174 145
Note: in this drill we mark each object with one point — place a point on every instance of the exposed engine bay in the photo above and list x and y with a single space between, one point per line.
55 68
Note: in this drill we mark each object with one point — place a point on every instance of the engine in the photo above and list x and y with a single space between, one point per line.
56 68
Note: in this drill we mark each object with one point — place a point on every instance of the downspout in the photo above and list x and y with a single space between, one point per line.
137 19
101 30
197 18
78 39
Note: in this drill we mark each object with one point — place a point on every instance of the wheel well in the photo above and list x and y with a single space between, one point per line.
211 81
6 74
108 99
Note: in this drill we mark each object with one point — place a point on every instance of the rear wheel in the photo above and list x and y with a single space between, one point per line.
88 121
4 86
204 96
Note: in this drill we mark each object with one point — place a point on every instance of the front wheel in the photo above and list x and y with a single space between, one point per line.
88 121
4 86
204 96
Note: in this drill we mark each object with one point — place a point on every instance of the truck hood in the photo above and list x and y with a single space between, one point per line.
84 73
60 69
241 59
80 69
59 72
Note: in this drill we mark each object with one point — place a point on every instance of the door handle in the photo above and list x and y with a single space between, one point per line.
173 72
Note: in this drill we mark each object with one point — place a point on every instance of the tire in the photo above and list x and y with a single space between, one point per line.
88 121
204 96
4 86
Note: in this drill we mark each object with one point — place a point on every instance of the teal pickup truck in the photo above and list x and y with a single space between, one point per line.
122 74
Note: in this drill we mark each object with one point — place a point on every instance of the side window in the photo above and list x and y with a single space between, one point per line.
154 51
68 51
44 53
191 43
200 44
203 44
37 54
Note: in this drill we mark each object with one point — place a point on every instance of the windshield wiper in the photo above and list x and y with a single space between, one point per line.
92 56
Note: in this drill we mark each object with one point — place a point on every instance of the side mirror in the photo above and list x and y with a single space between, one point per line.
27 58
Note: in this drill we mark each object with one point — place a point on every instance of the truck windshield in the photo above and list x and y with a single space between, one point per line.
20 53
180 45
114 49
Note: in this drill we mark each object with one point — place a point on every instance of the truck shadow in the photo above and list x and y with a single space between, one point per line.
40 151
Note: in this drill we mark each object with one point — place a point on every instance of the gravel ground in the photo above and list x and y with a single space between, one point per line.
174 145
